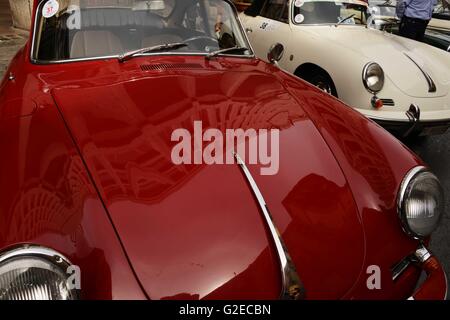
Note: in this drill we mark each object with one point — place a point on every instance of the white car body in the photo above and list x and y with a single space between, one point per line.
439 24
343 51
441 17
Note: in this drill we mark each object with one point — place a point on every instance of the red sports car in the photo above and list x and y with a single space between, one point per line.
93 204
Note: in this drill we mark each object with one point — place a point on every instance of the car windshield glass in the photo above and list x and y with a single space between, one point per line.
81 29
330 12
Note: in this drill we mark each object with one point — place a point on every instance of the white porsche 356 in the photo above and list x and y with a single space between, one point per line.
402 84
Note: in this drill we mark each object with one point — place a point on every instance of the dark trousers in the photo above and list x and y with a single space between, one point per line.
413 28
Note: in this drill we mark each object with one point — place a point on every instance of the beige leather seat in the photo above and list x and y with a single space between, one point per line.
160 39
95 43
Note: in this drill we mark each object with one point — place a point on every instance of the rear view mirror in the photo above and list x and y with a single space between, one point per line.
275 53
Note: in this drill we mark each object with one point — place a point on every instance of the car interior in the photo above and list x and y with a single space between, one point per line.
112 31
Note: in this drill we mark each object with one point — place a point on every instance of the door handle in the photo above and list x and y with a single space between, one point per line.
248 30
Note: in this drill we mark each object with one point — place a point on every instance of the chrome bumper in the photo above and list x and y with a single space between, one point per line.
414 125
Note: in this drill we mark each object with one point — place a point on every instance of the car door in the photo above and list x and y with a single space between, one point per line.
269 26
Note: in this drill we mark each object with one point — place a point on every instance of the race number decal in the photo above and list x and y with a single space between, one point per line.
50 8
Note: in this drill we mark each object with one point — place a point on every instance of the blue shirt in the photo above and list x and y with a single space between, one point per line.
419 9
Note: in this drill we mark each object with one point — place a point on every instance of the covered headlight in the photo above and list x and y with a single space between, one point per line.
373 77
420 202
35 273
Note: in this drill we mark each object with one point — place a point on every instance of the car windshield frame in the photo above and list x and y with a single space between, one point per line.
355 2
38 17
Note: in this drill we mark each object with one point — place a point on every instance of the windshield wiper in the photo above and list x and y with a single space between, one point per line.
227 50
163 47
345 19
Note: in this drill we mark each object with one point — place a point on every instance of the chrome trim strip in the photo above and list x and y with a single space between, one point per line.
431 84
400 267
407 120
292 287
446 286
422 254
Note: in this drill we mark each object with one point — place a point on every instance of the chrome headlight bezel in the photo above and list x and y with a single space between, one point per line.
42 255
404 193
377 70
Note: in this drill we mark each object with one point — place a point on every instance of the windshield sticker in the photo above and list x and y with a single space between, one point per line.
299 3
50 8
299 18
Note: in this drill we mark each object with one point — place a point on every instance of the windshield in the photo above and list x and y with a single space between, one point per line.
330 12
82 29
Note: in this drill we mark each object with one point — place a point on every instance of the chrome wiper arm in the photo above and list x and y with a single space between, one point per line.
227 50
345 19
163 47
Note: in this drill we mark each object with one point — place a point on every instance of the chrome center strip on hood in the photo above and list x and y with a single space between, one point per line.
431 84
292 288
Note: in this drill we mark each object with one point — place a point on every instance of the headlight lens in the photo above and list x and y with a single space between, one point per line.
34 273
373 77
421 202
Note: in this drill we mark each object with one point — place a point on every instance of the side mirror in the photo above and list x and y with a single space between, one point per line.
276 52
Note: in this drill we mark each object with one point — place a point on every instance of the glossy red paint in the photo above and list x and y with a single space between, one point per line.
148 196
89 174
434 287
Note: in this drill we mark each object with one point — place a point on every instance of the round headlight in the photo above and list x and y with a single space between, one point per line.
35 273
373 77
420 203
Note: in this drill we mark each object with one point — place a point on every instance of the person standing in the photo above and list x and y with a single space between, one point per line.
414 17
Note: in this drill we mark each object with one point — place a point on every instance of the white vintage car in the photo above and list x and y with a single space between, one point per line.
402 84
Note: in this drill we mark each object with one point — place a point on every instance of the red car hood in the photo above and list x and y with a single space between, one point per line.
196 231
